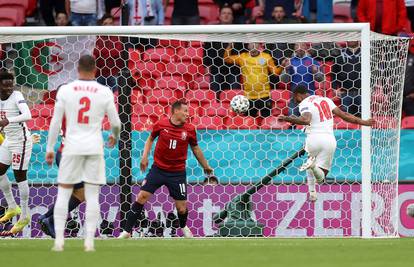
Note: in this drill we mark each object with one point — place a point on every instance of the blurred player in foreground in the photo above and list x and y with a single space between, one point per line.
316 113
174 135
84 103
15 150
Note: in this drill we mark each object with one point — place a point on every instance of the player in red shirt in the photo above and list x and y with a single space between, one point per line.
174 135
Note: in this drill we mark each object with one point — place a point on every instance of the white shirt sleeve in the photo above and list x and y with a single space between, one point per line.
113 116
25 113
56 122
304 108
331 104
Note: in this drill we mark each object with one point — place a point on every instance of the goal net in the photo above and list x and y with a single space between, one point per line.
257 189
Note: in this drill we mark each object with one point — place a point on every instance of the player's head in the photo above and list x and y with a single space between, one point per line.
87 67
254 49
6 84
300 92
301 49
179 111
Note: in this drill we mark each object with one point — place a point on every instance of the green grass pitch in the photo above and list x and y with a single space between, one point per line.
345 252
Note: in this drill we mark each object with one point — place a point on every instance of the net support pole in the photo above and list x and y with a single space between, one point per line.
125 145
366 131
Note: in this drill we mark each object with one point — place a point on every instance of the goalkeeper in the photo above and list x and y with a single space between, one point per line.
255 68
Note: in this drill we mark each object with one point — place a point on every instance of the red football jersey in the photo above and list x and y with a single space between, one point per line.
172 144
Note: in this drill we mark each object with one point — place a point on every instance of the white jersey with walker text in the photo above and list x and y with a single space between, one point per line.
85 103
322 118
15 132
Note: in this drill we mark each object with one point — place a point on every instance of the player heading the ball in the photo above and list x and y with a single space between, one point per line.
84 103
317 115
174 135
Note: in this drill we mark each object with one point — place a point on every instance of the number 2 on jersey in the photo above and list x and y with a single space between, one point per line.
85 103
325 112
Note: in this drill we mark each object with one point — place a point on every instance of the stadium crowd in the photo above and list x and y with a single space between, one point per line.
331 69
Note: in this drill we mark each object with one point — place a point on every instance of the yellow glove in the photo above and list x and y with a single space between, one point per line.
35 138
1 138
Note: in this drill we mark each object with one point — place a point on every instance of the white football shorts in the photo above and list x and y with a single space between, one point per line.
74 169
322 147
16 154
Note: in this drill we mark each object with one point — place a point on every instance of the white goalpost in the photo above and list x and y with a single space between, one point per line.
150 67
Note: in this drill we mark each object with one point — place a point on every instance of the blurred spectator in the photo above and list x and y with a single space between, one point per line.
62 19
211 180
185 12
269 8
146 12
48 8
239 9
385 16
279 16
346 73
408 101
82 13
410 12
320 11
222 75
108 56
354 6
255 68
301 69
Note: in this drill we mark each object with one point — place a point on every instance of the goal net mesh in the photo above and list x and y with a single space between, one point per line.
161 68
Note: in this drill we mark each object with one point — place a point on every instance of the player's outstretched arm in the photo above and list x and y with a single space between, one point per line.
54 129
201 159
147 149
351 118
304 119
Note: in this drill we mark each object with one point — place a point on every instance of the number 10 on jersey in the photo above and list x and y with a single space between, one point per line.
173 144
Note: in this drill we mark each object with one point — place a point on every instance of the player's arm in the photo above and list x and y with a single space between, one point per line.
24 115
147 149
114 121
351 118
273 68
54 129
201 159
303 119
228 58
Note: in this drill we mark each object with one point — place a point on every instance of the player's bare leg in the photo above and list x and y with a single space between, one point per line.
134 213
61 214
5 187
310 178
92 215
182 212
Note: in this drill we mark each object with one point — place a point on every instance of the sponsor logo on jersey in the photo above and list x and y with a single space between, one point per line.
262 61
184 135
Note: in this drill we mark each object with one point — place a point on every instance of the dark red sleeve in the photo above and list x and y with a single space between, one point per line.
193 138
156 129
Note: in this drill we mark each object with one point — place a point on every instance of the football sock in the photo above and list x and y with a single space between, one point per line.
319 174
73 204
183 219
132 216
24 198
310 180
92 212
61 213
7 192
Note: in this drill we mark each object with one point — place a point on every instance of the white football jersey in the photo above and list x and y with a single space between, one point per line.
84 104
15 131
322 116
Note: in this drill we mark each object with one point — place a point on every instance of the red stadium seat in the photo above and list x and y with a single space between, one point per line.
200 96
201 82
161 54
208 13
172 82
227 95
172 43
185 68
141 123
209 123
281 99
217 109
154 111
6 22
137 97
148 69
342 12
274 123
408 122
13 13
190 54
39 123
162 96
240 122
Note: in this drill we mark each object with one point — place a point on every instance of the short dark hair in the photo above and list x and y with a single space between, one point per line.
279 6
177 104
226 6
210 179
104 17
87 63
5 75
300 89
